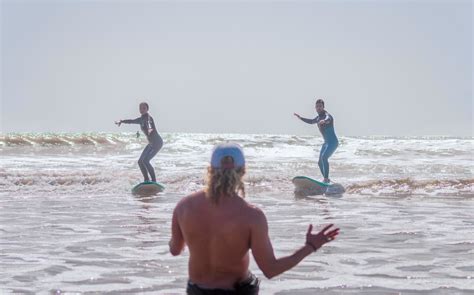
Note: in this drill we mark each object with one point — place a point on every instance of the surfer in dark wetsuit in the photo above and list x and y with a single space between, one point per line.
326 126
155 142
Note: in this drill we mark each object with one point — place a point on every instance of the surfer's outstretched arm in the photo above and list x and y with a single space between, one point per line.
134 121
128 121
309 121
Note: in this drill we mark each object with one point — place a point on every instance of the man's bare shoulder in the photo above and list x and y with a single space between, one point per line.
191 200
254 213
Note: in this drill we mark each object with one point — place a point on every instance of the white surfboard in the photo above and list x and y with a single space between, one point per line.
147 188
306 186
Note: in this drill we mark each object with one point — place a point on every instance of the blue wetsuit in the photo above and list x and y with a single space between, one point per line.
155 142
330 140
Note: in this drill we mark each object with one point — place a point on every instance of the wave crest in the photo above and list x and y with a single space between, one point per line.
409 187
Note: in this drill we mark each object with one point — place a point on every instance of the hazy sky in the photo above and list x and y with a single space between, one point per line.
383 67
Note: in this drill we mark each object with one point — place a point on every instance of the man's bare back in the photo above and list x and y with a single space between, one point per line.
218 237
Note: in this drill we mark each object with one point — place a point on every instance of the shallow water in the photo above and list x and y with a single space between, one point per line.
69 224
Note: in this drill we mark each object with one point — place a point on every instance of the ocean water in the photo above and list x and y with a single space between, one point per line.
68 223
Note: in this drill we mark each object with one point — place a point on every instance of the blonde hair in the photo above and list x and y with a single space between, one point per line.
224 183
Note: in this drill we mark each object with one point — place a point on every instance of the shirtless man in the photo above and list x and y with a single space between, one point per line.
220 227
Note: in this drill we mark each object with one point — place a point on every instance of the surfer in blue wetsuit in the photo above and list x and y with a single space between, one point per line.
155 142
326 126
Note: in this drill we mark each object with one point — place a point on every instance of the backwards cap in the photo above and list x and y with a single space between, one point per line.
227 149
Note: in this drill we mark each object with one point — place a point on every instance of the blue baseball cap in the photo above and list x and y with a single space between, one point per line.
232 150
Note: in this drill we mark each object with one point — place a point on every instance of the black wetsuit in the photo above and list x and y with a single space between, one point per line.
155 142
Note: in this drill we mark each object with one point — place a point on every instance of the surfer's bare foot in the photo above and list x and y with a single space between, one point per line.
326 180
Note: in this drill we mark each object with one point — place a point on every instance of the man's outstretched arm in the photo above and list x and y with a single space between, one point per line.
262 248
